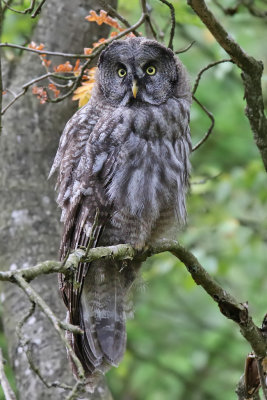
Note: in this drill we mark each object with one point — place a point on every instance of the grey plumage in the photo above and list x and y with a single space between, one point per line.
126 154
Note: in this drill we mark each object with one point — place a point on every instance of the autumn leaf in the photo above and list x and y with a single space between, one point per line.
103 18
41 93
100 41
54 89
67 67
77 65
46 62
87 51
84 92
34 46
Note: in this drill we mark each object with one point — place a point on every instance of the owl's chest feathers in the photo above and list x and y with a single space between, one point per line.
143 168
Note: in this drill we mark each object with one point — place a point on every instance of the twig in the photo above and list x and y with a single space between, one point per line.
205 69
186 48
8 392
5 8
26 11
228 305
148 24
58 325
47 52
170 45
251 75
96 53
26 86
113 13
75 390
76 82
38 9
211 117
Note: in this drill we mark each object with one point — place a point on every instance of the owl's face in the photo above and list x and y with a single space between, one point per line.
137 70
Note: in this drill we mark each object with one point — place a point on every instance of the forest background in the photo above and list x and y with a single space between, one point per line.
179 344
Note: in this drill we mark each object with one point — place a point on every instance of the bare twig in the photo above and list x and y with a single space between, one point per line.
251 74
8 392
113 13
57 324
26 86
26 11
43 52
25 344
148 24
205 69
211 117
248 4
186 48
170 45
77 80
38 9
5 8
228 305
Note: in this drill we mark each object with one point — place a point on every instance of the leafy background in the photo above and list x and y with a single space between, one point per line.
179 345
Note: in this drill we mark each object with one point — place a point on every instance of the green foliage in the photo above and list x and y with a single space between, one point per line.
17 28
179 344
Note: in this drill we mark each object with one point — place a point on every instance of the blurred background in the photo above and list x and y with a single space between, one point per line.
179 345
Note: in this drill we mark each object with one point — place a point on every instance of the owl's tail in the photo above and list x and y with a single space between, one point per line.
103 316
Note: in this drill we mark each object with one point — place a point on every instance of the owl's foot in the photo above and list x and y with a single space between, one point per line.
141 247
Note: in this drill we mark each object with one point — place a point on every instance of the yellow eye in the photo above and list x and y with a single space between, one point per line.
151 70
122 72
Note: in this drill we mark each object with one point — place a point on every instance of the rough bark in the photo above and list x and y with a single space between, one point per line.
29 219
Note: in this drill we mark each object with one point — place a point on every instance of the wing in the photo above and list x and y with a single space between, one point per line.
76 196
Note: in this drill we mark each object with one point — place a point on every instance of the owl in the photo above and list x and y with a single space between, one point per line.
125 157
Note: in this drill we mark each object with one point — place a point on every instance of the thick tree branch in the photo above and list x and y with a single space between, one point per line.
228 305
251 75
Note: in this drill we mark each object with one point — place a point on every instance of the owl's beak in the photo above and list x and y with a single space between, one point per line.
134 88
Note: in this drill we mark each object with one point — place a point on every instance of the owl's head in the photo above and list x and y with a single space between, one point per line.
139 70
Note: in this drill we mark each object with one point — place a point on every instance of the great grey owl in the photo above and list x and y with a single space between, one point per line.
125 154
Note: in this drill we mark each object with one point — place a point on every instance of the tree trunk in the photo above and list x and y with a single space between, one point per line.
29 217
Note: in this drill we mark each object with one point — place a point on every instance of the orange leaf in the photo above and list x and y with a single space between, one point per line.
103 18
41 93
84 92
67 67
34 46
77 65
46 62
54 89
100 41
87 51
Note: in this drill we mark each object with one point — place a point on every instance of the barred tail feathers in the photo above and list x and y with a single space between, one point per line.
103 316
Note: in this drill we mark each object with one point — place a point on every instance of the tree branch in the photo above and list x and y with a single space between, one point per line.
228 305
173 22
251 75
